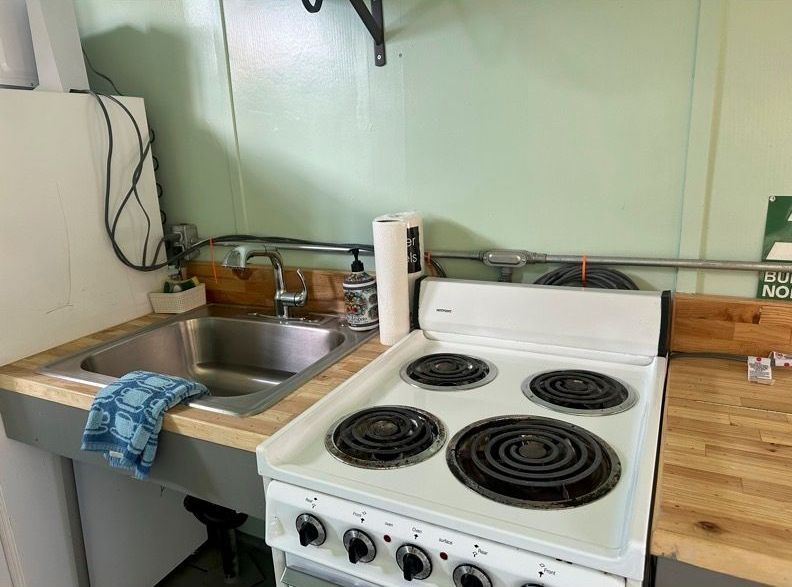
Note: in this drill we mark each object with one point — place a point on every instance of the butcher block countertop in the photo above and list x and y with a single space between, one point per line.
724 489
242 433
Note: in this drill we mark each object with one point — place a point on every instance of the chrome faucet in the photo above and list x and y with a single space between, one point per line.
238 258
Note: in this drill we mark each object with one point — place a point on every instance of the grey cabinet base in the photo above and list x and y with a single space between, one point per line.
220 474
672 573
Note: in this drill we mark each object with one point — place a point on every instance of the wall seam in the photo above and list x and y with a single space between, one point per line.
706 93
241 222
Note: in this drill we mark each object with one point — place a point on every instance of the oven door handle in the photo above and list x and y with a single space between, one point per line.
294 578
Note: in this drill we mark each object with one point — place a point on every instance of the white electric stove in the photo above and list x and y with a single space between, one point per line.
508 441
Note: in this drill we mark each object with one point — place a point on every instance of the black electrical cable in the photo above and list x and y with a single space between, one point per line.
152 135
143 152
437 267
135 178
108 174
597 277
312 8
707 355
110 227
100 74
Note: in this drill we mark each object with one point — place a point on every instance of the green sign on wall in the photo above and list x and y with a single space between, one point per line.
777 248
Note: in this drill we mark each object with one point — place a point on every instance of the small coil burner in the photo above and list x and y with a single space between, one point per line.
448 372
385 437
533 462
580 392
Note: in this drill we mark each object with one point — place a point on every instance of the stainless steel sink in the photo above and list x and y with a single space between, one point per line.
247 360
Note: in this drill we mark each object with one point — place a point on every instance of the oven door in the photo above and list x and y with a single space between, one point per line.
300 572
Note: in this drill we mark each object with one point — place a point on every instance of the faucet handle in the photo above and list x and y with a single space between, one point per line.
302 297
296 299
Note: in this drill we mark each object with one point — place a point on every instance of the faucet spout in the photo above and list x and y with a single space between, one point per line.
238 258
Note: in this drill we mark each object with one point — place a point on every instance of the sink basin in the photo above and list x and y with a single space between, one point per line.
247 360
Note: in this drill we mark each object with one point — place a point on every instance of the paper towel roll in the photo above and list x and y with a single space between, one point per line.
414 238
390 263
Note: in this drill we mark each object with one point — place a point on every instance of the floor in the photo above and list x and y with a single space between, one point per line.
204 568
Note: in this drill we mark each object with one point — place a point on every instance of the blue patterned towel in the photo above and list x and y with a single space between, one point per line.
126 417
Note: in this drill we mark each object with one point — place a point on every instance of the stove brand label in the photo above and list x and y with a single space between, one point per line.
444 310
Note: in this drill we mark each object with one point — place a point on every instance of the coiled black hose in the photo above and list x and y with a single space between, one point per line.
598 277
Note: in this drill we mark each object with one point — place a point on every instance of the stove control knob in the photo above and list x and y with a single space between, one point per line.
359 546
413 562
311 530
470 576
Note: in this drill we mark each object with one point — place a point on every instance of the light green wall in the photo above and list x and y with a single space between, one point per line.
752 151
172 53
589 126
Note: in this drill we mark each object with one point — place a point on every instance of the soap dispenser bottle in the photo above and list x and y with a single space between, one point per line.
360 297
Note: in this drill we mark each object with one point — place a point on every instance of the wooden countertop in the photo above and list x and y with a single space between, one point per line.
724 487
243 433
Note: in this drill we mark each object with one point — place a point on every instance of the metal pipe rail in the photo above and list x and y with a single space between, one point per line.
670 262
338 249
519 258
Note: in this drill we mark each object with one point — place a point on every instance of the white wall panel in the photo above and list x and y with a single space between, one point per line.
61 279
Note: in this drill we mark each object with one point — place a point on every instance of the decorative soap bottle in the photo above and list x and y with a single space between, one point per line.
360 297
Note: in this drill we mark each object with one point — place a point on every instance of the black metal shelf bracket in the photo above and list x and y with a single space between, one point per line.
372 19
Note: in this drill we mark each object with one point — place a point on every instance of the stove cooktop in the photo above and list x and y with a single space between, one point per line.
588 519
